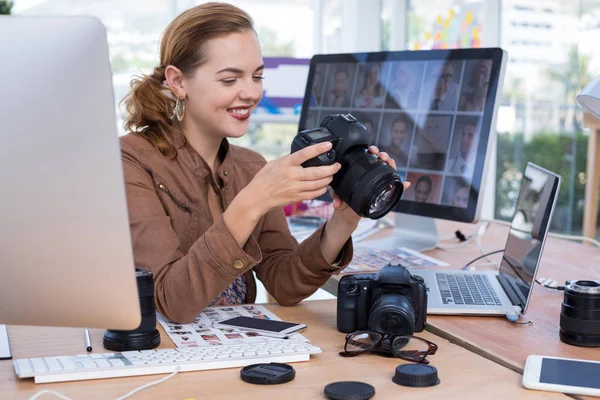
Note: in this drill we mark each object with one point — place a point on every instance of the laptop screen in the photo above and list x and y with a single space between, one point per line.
527 234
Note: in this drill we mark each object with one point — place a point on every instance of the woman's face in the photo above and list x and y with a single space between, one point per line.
224 91
372 76
422 191
341 83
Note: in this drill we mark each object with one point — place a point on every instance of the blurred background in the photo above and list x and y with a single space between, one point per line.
549 42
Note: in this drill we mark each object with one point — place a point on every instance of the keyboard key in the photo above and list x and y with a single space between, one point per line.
24 366
39 365
53 364
67 363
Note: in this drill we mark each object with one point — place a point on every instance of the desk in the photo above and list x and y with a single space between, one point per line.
494 337
463 374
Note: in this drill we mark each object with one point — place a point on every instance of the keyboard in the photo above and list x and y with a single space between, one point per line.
161 361
467 289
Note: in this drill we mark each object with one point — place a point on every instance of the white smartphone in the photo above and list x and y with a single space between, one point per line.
565 375
266 327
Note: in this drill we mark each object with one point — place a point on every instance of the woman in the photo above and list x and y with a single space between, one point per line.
372 93
204 214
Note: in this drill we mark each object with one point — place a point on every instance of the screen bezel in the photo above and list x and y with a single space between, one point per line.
549 208
487 124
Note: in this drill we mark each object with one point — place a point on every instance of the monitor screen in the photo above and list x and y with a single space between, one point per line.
433 112
528 229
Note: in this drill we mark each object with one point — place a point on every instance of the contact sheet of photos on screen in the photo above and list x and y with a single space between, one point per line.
425 114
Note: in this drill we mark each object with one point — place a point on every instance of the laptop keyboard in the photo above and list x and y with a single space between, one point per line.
467 289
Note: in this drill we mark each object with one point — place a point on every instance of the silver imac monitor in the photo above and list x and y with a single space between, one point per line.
65 247
433 111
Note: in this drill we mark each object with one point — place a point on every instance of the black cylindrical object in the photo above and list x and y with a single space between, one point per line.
580 314
145 336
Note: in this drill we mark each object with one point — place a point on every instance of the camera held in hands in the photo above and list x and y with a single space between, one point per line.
580 314
366 183
145 336
393 301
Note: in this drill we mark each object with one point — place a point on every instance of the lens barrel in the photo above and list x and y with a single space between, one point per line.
392 313
145 336
580 314
367 184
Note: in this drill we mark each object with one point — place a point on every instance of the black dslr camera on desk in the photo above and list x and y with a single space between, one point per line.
366 183
393 302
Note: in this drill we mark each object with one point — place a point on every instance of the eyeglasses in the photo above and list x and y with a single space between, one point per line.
409 348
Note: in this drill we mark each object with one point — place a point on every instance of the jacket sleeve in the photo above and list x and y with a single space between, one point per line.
184 284
292 272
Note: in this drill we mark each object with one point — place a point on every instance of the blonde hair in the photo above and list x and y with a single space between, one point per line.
149 103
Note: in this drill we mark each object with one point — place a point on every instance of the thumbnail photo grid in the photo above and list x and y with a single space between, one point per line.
425 114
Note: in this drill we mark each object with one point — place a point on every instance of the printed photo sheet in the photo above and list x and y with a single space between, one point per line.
201 332
367 260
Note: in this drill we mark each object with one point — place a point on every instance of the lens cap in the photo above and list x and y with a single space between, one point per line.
349 390
268 374
416 375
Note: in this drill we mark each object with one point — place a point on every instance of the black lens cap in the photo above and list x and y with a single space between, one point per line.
268 374
416 375
349 390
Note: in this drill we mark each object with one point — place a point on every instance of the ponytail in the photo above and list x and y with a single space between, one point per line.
149 106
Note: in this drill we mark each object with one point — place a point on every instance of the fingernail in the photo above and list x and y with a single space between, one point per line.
328 145
338 165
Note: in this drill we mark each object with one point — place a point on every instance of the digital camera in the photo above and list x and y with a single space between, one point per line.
393 301
366 183
580 314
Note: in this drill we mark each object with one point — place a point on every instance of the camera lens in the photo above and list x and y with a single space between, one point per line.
145 336
367 184
392 313
382 200
580 314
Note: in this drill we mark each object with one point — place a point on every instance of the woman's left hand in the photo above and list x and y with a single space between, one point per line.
342 208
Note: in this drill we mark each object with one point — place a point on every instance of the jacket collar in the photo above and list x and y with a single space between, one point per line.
187 155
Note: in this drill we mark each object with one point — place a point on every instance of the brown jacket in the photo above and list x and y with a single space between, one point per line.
194 258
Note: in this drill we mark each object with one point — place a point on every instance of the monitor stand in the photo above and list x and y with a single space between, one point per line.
412 231
4 344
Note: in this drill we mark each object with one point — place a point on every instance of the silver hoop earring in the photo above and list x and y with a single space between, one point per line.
179 109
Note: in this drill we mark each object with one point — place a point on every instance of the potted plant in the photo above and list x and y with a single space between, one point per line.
5 7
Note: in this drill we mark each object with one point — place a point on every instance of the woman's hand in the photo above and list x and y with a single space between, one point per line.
342 209
284 180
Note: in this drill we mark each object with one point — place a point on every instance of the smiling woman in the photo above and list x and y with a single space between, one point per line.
204 214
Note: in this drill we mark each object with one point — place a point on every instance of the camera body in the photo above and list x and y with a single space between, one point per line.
351 135
580 313
366 183
393 301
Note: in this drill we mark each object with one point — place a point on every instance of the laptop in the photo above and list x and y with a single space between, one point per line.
507 291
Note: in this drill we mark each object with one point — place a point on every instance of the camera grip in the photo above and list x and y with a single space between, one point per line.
347 304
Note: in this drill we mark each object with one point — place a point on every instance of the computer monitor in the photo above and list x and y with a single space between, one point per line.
65 244
434 112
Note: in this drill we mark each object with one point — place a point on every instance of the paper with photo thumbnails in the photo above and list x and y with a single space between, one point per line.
201 333
372 260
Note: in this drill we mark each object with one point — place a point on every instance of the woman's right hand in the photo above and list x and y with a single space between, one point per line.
284 181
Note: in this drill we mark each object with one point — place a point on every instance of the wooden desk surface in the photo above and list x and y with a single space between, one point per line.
494 337
463 374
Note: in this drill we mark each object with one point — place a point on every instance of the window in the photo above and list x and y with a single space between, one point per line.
539 91
445 24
